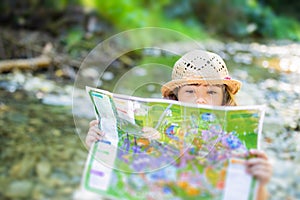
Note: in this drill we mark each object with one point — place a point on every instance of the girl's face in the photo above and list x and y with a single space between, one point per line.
201 94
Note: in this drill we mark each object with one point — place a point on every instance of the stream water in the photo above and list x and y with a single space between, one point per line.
42 155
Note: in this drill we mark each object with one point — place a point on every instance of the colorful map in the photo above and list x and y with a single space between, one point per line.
164 149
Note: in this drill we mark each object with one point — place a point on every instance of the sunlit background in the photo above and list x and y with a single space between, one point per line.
44 43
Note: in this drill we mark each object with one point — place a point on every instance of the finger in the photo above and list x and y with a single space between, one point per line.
258 153
94 122
256 161
96 130
93 137
89 140
259 166
262 173
262 176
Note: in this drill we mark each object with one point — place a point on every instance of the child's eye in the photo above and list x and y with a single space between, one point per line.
189 91
211 92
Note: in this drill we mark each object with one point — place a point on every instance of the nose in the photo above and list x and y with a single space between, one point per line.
200 100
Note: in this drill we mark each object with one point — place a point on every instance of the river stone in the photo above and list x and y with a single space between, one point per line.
18 189
22 168
43 169
38 191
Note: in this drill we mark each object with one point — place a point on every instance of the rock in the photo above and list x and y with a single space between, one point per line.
107 76
22 168
43 169
38 192
19 189
57 100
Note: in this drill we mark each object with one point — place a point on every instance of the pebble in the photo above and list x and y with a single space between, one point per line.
57 100
19 189
43 169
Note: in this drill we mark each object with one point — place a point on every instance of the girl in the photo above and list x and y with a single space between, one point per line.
201 77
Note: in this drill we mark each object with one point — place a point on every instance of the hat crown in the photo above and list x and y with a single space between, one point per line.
198 67
200 64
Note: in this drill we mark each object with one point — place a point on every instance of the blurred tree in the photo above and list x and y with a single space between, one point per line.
240 19
219 16
229 18
43 15
282 7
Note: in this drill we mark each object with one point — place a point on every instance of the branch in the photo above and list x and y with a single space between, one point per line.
47 58
29 63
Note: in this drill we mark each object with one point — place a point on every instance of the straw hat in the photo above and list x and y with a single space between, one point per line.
198 67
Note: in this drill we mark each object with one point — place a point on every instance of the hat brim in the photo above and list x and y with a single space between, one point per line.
167 89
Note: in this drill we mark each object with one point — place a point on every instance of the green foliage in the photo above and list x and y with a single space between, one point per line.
58 5
285 28
274 19
241 19
128 14
269 25
73 37
163 60
284 8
